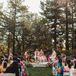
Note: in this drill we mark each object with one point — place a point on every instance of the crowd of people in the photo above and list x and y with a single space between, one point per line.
38 56
61 65
13 64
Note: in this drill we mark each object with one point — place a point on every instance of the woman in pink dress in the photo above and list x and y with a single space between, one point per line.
36 54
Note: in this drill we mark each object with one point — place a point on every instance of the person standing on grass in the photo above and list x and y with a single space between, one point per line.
36 54
59 67
23 67
14 67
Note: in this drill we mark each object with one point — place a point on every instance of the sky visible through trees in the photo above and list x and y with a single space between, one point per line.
33 5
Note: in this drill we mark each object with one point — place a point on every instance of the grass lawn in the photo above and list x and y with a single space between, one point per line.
37 71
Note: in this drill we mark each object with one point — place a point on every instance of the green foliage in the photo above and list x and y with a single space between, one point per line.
32 31
53 15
